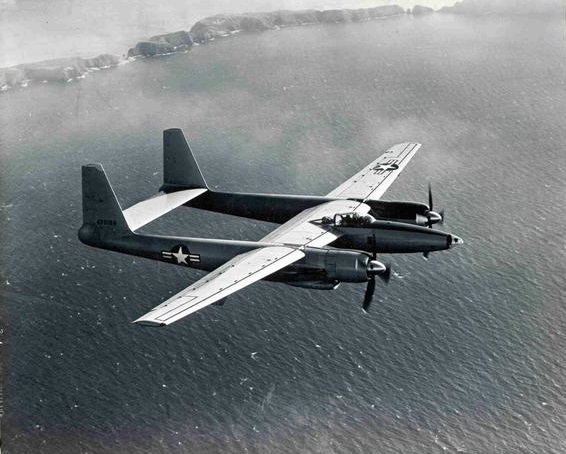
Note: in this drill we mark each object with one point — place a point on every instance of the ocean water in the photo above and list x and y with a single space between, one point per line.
460 353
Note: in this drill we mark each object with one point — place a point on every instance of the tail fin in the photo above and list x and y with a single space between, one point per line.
180 169
102 215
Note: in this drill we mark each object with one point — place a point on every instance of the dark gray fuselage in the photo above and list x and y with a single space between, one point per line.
395 232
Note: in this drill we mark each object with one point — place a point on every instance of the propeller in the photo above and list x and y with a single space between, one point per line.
375 268
432 216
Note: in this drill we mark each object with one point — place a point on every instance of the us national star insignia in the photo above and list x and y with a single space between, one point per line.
181 255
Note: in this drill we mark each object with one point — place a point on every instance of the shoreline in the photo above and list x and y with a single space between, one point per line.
220 26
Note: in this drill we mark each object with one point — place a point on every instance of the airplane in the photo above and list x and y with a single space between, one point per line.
322 240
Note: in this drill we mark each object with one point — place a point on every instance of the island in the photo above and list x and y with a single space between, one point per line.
418 10
224 25
205 30
58 70
162 45
227 25
505 7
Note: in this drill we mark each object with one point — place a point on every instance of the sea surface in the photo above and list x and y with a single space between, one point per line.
464 352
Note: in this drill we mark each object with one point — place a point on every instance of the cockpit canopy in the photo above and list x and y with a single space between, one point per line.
351 219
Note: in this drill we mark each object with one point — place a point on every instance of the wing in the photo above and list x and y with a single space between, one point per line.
234 275
372 181
247 268
301 231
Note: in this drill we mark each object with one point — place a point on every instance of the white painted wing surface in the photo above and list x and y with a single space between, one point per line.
234 275
149 210
300 231
373 180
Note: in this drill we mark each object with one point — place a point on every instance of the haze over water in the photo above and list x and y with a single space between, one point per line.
460 353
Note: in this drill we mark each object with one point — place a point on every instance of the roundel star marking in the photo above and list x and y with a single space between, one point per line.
385 167
180 256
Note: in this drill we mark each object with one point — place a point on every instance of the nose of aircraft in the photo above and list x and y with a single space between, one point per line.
455 240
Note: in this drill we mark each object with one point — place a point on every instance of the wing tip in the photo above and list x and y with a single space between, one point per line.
409 143
145 322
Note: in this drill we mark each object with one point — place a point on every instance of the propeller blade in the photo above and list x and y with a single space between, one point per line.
433 218
370 289
374 244
430 204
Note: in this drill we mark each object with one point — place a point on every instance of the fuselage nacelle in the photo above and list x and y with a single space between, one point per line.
394 237
407 212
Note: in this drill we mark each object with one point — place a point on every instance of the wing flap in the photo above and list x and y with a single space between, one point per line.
144 212
372 181
234 275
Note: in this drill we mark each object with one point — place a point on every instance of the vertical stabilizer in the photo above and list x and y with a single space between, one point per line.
102 215
180 169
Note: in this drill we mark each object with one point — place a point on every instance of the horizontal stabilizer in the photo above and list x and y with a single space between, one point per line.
144 212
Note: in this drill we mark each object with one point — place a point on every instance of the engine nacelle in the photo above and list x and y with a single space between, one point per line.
410 212
328 267
395 237
325 269
347 266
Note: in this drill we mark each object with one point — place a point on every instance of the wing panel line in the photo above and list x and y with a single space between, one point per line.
371 182
175 311
401 165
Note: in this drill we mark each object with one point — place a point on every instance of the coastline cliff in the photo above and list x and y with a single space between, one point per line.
223 25
418 10
205 30
59 70
162 45
226 25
